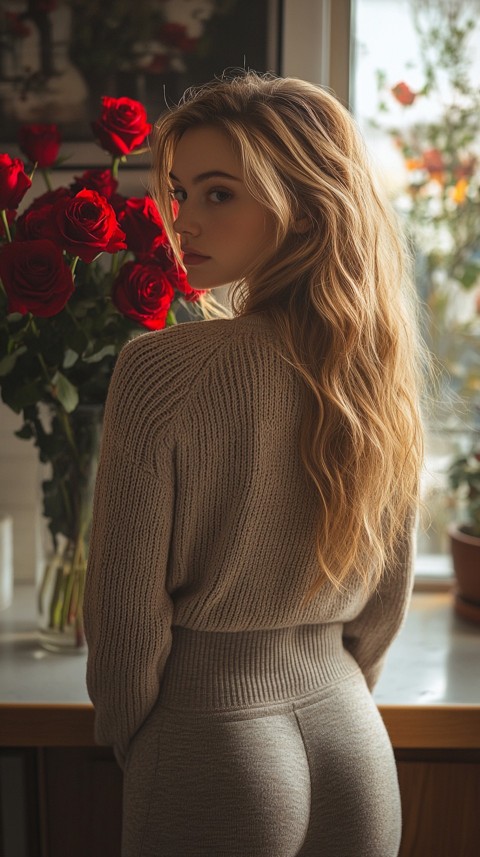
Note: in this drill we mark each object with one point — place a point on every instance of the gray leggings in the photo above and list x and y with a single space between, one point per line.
312 775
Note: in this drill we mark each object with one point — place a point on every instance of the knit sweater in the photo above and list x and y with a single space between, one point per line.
204 519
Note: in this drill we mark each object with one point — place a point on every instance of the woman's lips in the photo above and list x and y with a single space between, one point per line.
194 258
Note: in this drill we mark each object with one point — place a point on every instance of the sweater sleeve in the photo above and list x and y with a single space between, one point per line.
368 636
127 609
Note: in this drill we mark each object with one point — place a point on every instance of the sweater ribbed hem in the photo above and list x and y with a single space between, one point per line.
216 671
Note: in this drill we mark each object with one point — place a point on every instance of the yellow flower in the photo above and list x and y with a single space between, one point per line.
459 192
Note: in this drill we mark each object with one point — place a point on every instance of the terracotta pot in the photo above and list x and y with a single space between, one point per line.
466 563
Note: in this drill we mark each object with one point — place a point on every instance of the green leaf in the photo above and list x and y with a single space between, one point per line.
29 394
470 276
65 392
70 358
107 350
7 363
171 318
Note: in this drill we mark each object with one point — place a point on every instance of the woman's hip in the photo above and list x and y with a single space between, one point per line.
310 775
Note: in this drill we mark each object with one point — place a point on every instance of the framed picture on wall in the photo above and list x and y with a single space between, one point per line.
58 57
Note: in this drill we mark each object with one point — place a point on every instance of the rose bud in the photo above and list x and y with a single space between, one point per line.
36 277
40 143
122 126
14 182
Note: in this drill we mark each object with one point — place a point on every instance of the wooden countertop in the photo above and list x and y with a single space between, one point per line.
428 694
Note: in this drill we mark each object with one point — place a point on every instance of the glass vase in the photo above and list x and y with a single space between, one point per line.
67 503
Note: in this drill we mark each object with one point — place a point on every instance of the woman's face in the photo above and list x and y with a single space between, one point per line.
223 230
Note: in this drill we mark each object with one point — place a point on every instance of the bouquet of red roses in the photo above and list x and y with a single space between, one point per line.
65 315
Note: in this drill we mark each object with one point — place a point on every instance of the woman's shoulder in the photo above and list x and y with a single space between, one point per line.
193 341
159 374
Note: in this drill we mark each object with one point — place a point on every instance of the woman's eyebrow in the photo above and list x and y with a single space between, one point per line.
208 175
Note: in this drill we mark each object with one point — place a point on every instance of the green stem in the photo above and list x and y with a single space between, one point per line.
46 580
44 367
6 226
114 167
56 600
74 264
69 571
63 417
115 264
46 178
68 310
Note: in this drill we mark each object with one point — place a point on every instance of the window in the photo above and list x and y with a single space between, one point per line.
362 49
413 91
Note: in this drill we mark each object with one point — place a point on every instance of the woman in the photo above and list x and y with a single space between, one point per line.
250 557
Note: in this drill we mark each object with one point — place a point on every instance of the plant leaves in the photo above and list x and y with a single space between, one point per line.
7 363
20 397
65 392
106 351
70 358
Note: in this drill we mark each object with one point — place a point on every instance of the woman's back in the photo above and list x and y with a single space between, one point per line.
250 556
202 430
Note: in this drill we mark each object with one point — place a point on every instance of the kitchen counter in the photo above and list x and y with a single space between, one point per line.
428 693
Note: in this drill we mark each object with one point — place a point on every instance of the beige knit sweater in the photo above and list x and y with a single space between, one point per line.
203 517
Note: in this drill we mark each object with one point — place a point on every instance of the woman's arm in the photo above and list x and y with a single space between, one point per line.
128 612
369 635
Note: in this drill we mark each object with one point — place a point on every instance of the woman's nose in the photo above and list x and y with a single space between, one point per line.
185 222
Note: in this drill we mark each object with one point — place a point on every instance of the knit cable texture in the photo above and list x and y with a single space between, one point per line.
204 521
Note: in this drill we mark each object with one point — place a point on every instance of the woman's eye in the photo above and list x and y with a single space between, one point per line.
219 195
177 194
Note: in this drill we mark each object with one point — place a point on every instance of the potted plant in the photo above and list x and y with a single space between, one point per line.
464 478
65 315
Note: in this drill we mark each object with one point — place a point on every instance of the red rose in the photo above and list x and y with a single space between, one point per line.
16 25
122 126
143 293
175 35
34 224
50 197
163 258
85 225
404 94
118 203
142 224
157 65
190 295
40 143
35 277
100 180
14 182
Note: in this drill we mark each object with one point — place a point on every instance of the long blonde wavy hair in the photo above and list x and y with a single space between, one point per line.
338 289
